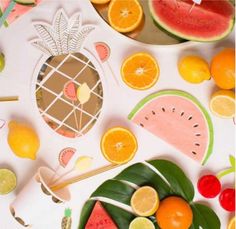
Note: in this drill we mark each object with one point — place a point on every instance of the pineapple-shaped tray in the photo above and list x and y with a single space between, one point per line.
69 92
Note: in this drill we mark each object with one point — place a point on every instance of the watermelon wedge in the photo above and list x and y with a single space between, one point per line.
209 21
103 51
18 10
99 219
179 119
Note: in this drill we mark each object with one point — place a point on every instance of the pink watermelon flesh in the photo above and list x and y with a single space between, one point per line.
65 156
69 91
211 20
18 10
103 51
179 119
99 219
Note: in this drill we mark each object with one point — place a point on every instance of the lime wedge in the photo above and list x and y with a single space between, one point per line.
7 181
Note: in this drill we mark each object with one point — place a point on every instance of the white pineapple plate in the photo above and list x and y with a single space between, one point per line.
65 61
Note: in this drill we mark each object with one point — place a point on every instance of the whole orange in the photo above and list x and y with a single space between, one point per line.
223 68
174 213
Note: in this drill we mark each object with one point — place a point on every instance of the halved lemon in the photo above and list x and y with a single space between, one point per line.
232 224
141 223
140 71
119 145
7 181
222 104
125 16
145 201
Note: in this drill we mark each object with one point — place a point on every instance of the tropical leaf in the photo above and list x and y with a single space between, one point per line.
179 182
122 221
42 46
60 28
76 42
204 217
48 36
115 190
141 175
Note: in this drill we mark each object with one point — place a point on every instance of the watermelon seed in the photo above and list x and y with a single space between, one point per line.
153 112
182 113
146 118
198 135
163 109
141 125
197 144
194 152
173 109
196 125
190 117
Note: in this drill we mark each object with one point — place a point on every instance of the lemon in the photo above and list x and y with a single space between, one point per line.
2 62
194 69
23 140
141 223
145 201
222 104
7 181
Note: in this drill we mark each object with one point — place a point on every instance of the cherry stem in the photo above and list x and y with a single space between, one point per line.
225 172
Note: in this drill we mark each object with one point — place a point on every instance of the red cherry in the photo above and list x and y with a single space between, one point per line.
227 199
209 186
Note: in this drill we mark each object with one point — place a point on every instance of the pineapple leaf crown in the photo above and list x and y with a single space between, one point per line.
64 36
67 212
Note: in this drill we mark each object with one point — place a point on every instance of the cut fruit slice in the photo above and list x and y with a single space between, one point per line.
83 93
65 156
119 145
222 104
125 16
232 224
211 20
26 2
99 218
83 163
141 223
140 71
145 201
179 119
69 91
103 51
7 181
100 1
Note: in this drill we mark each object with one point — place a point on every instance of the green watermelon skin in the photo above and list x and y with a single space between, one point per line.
158 117
99 218
212 20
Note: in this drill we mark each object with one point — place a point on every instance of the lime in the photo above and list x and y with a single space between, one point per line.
141 223
7 181
2 62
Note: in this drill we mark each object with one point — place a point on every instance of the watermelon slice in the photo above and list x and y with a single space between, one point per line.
99 219
209 21
69 91
103 51
65 156
17 11
179 119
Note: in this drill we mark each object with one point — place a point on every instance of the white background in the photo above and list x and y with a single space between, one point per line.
21 60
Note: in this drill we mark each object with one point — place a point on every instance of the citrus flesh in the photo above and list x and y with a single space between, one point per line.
223 69
194 69
141 223
100 1
7 181
125 16
174 213
140 71
232 224
145 201
119 145
222 104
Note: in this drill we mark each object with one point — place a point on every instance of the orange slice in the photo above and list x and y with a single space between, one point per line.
140 71
125 16
145 201
100 1
119 145
232 224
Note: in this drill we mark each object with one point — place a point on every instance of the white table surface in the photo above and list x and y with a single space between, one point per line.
21 59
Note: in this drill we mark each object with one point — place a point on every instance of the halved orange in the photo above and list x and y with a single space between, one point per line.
100 1
119 145
232 223
140 71
125 15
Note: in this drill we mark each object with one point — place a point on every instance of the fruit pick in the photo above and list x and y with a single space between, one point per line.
209 186
9 99
194 3
2 123
104 51
66 220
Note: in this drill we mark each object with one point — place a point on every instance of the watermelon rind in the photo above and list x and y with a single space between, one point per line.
186 95
186 37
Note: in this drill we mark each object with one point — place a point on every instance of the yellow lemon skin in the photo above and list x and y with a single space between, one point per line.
23 140
194 69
